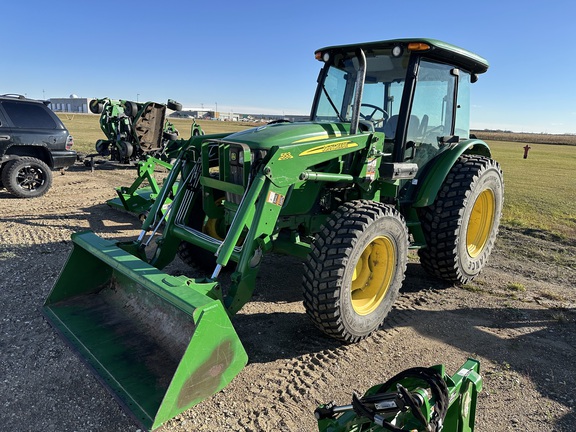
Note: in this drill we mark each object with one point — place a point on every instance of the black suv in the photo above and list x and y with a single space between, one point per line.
33 141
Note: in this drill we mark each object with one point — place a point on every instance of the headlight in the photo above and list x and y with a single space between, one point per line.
397 51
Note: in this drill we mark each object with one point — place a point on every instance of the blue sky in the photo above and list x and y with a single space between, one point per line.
256 56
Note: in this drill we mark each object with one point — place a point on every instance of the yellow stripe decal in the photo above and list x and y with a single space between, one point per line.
340 145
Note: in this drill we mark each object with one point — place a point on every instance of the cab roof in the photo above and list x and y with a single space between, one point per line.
436 49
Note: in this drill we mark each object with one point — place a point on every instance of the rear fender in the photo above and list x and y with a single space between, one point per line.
37 151
432 178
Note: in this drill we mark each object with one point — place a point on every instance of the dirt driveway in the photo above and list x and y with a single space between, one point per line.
518 319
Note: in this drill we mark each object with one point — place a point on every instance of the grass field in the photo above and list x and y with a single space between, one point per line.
539 190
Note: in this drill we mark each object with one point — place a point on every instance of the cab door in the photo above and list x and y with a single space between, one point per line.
437 115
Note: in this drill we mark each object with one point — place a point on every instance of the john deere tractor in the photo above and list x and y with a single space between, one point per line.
385 164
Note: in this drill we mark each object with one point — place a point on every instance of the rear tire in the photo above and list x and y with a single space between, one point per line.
26 177
355 269
461 226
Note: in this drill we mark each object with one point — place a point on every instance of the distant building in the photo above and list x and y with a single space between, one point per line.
194 113
231 116
72 104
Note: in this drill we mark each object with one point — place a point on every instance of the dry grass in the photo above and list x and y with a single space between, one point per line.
561 139
539 190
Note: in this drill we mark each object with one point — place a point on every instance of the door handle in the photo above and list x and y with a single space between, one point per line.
4 137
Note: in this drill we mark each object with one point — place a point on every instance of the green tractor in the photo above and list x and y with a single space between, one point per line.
385 164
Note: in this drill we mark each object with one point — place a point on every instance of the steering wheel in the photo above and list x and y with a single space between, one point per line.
370 117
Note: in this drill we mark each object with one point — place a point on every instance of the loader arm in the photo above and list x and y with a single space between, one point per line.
254 226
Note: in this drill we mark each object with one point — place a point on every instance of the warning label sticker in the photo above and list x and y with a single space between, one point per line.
275 198
371 169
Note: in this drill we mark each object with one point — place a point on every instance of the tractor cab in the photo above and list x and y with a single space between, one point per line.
414 91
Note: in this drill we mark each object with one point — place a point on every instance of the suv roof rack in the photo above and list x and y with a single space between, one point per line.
14 95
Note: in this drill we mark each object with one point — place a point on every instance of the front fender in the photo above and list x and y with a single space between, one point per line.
432 178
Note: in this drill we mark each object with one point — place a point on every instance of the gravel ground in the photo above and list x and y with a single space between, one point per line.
517 318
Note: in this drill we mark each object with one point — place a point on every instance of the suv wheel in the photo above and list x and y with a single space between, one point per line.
27 177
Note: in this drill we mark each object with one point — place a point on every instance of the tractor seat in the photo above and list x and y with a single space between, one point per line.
390 127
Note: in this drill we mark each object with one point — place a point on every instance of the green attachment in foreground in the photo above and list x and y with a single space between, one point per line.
439 402
158 342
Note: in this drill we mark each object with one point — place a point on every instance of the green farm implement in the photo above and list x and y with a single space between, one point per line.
133 130
417 399
138 133
385 163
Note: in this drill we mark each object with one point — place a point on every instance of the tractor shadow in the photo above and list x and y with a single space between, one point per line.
280 328
514 342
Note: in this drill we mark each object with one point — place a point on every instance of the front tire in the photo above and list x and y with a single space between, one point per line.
355 269
26 177
461 226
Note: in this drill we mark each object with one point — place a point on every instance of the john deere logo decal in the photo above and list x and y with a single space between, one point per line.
340 145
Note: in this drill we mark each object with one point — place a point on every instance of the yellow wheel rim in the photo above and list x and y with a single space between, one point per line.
480 223
215 227
372 275
212 225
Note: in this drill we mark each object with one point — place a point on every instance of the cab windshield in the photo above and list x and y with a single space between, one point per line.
383 87
435 112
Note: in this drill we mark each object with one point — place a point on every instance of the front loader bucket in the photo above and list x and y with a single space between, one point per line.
156 341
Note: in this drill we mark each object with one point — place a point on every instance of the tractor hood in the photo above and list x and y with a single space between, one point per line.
283 134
